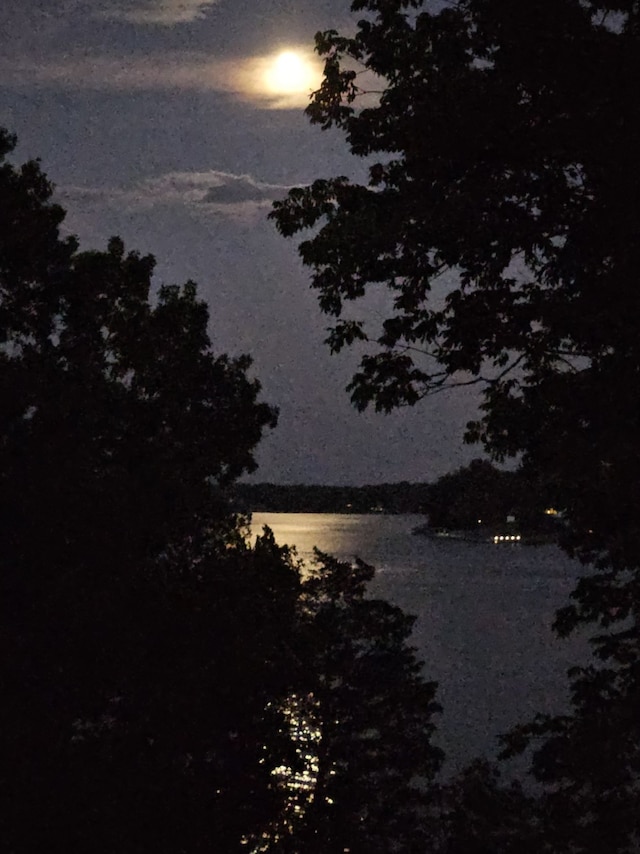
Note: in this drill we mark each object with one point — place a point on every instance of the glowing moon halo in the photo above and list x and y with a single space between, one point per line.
290 74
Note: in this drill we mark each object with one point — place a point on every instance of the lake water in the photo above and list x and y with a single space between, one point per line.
484 615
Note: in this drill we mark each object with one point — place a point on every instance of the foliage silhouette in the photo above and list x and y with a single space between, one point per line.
376 763
150 655
123 576
481 496
502 152
501 215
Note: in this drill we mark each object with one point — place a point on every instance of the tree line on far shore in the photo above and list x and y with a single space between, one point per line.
480 493
402 497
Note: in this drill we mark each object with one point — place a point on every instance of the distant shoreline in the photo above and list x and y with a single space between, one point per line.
494 537
339 512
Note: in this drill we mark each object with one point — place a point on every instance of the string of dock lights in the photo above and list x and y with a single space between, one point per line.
507 538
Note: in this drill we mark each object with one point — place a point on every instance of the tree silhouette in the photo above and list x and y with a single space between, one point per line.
502 215
134 702
371 711
152 659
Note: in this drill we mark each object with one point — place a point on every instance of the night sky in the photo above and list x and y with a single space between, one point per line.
164 121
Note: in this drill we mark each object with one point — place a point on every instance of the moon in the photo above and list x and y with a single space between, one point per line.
290 73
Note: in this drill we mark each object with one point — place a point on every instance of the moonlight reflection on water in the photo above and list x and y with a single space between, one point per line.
299 782
484 615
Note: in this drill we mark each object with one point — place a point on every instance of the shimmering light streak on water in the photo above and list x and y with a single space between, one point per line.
300 714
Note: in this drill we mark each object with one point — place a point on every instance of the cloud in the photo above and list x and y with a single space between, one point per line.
238 197
170 71
163 12
240 77
237 189
212 188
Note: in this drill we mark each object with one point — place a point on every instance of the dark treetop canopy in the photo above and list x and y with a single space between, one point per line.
120 570
502 216
150 656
